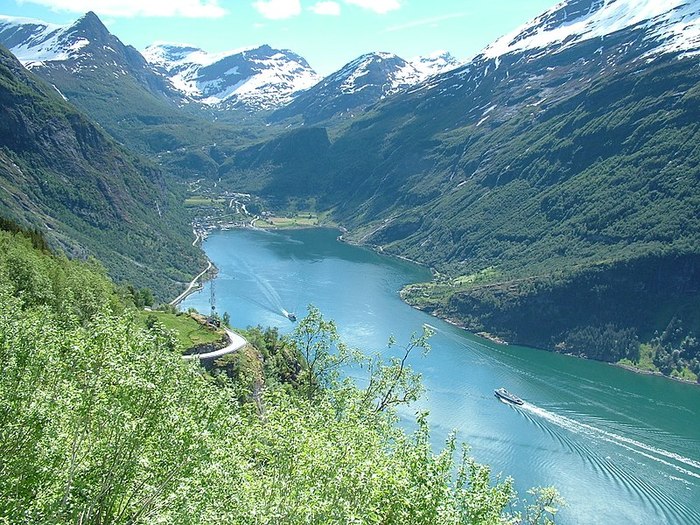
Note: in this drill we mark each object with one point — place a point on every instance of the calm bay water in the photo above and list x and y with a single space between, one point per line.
620 447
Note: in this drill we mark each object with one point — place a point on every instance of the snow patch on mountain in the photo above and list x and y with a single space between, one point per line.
174 56
674 23
349 77
363 82
681 31
387 71
83 43
35 41
396 73
180 62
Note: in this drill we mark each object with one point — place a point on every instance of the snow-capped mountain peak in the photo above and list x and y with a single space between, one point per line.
84 49
389 71
36 43
172 55
252 77
386 71
362 82
674 23
168 54
434 63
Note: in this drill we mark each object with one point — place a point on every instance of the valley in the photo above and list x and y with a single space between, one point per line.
543 193
415 158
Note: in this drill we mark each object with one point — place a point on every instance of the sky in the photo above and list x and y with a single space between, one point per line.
327 33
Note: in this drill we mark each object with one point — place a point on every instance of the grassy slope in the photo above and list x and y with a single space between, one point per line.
189 332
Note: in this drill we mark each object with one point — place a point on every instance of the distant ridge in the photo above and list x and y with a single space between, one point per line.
362 82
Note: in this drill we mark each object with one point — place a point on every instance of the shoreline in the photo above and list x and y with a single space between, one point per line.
497 340
644 372
268 227
378 250
194 286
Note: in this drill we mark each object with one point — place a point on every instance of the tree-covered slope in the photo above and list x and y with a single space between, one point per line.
63 175
601 311
609 174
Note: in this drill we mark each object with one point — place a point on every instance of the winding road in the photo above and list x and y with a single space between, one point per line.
192 284
236 342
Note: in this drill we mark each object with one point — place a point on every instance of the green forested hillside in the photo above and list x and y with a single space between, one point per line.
61 174
101 421
576 183
600 312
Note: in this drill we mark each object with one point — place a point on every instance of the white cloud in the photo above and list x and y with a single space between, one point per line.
132 8
378 6
278 9
326 8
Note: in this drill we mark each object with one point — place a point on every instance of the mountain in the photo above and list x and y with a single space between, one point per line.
358 84
434 64
178 98
669 26
47 48
562 154
108 80
361 83
264 78
62 174
254 79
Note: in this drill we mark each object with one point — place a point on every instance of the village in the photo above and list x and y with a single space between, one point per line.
225 210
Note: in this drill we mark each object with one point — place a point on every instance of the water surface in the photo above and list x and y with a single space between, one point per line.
620 447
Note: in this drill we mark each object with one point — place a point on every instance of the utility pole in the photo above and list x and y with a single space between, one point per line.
212 298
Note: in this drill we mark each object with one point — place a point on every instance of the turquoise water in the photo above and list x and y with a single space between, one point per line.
620 447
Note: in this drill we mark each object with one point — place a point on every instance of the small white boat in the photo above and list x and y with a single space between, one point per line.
502 393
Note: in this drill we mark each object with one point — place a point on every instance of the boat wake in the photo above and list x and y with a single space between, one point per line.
289 315
687 466
659 478
267 291
260 304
